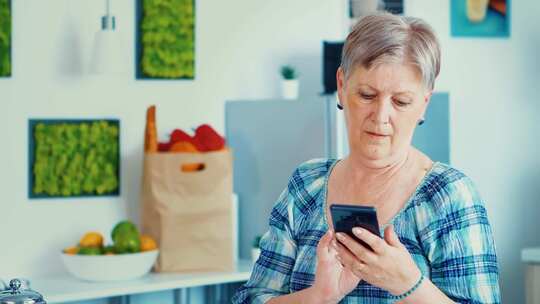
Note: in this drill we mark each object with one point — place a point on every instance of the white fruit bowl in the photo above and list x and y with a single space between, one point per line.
110 267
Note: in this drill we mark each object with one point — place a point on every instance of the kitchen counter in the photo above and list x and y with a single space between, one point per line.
65 288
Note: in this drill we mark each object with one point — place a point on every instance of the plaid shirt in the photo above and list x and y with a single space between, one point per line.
443 225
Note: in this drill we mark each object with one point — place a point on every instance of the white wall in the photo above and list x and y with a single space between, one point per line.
240 46
493 84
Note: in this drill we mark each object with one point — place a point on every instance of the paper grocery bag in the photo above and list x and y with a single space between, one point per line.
189 214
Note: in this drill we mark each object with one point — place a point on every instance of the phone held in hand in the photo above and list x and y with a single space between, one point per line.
346 217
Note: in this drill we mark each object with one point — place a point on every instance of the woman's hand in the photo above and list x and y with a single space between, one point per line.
332 281
389 266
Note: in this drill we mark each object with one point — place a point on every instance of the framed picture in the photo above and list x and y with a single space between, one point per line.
480 18
394 6
73 157
165 39
5 38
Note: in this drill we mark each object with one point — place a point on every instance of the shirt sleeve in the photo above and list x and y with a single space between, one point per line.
463 258
271 273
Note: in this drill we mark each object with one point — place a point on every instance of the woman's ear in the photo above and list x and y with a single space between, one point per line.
340 78
427 99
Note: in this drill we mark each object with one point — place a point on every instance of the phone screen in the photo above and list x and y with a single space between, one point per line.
346 217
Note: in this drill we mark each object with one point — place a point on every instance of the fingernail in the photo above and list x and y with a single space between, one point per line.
357 231
340 236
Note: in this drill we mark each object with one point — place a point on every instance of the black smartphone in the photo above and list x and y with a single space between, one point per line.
346 217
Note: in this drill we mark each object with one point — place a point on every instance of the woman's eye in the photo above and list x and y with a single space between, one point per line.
367 96
401 103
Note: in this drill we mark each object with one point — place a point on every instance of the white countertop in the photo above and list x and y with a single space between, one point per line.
530 255
65 288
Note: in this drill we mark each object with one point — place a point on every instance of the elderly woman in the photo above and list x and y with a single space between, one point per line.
437 245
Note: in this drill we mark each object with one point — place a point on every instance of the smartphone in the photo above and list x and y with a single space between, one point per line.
346 217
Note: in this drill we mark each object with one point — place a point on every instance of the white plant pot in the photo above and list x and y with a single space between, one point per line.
255 253
289 89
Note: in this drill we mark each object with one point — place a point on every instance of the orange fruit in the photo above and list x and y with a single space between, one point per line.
91 239
147 243
183 146
71 250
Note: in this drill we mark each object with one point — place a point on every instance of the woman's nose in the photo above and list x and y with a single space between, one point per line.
381 111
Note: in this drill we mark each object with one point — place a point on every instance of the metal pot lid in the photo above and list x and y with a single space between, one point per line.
16 295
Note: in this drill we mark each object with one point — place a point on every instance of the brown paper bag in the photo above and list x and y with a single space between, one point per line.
189 213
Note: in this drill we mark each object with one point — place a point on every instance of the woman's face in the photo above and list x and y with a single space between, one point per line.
382 107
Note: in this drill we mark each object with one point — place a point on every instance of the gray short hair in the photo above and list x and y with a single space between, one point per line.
385 38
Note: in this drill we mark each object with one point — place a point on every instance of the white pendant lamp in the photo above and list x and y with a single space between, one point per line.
108 57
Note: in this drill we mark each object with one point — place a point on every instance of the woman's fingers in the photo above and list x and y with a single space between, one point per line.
349 260
323 249
391 237
359 251
376 243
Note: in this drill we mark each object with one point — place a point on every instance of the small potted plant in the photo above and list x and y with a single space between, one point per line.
256 250
289 85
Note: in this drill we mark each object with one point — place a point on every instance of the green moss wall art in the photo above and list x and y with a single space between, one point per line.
5 38
165 43
70 158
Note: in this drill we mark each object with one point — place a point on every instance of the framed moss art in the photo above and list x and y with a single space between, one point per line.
165 39
5 38
70 158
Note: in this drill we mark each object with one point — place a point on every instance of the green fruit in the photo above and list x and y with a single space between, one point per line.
124 228
126 237
90 251
127 244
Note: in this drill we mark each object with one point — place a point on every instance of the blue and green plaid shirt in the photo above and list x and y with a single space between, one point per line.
444 226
